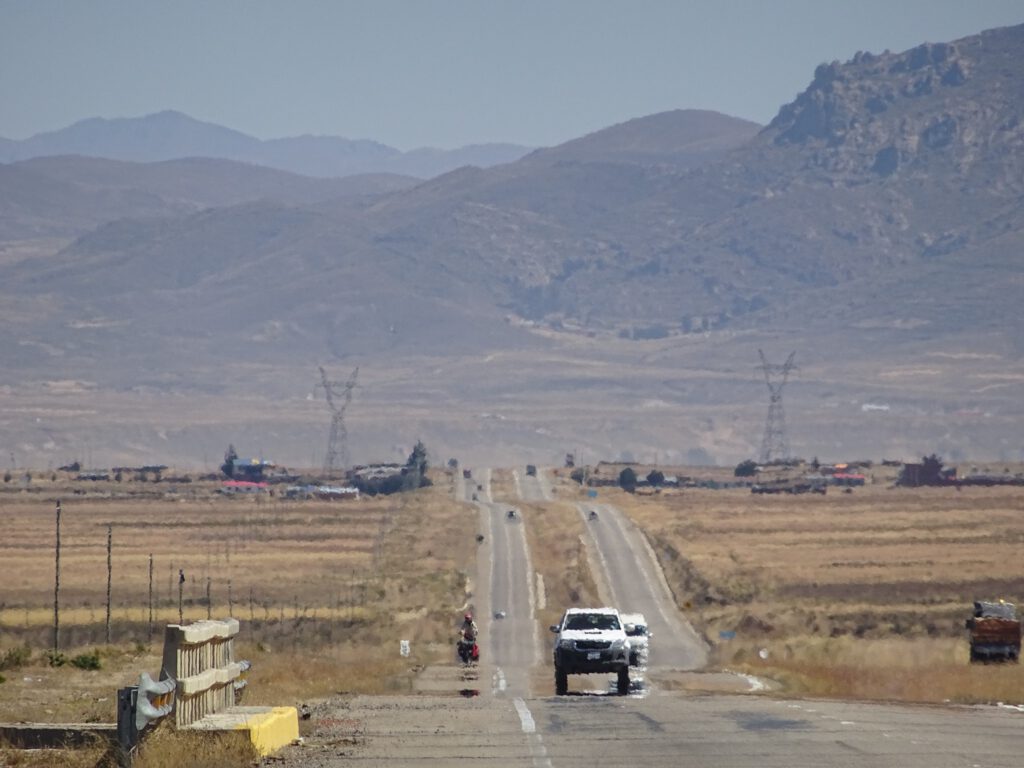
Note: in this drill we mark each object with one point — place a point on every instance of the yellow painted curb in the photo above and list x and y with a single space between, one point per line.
268 728
272 730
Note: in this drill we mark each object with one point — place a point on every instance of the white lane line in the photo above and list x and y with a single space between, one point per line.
508 597
515 480
537 750
500 684
542 483
486 484
487 515
531 593
847 722
525 718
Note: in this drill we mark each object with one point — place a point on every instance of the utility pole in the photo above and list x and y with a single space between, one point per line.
110 573
151 596
56 588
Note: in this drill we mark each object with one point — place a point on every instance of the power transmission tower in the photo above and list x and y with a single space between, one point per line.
337 401
774 444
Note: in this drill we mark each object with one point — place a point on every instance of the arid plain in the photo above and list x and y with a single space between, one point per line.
858 594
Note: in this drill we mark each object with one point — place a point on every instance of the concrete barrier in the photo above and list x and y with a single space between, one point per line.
201 658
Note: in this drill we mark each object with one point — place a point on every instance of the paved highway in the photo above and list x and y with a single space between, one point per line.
631 580
535 487
495 717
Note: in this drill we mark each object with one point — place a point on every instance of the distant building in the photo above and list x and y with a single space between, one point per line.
848 479
325 492
250 469
233 487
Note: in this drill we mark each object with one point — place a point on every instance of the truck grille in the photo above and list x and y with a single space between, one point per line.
593 645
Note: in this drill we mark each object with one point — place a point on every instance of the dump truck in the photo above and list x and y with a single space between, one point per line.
994 632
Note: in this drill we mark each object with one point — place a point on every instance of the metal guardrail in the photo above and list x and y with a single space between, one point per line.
155 700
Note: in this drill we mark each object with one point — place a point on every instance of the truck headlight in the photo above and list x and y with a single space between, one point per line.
565 644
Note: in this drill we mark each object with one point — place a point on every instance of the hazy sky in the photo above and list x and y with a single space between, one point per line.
442 73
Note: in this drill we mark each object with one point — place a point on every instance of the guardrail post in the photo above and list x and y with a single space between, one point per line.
127 733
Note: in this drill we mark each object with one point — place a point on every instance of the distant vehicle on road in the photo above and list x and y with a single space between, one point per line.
531 469
639 638
995 632
511 514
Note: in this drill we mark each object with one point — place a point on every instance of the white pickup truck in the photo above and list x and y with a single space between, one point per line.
639 638
591 640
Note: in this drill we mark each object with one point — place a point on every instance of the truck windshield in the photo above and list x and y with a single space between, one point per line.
592 621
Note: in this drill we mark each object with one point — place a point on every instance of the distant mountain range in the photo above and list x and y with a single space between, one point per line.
172 135
610 292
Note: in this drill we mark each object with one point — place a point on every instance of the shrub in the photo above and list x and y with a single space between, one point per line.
56 658
746 468
16 657
87 661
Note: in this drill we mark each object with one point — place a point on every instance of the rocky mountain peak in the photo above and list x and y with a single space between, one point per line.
882 114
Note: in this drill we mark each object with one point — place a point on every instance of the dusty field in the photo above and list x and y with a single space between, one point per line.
336 584
861 594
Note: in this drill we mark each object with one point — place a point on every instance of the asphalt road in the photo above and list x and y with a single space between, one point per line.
632 582
500 715
532 487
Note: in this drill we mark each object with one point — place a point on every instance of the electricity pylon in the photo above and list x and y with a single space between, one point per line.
337 401
774 444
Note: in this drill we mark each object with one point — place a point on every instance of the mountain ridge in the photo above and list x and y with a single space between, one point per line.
611 291
173 135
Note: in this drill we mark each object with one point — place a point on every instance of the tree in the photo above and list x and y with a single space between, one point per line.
931 470
656 477
627 480
746 468
415 474
228 467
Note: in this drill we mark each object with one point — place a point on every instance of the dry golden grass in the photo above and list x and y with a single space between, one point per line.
99 755
334 587
860 594
554 532
167 748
